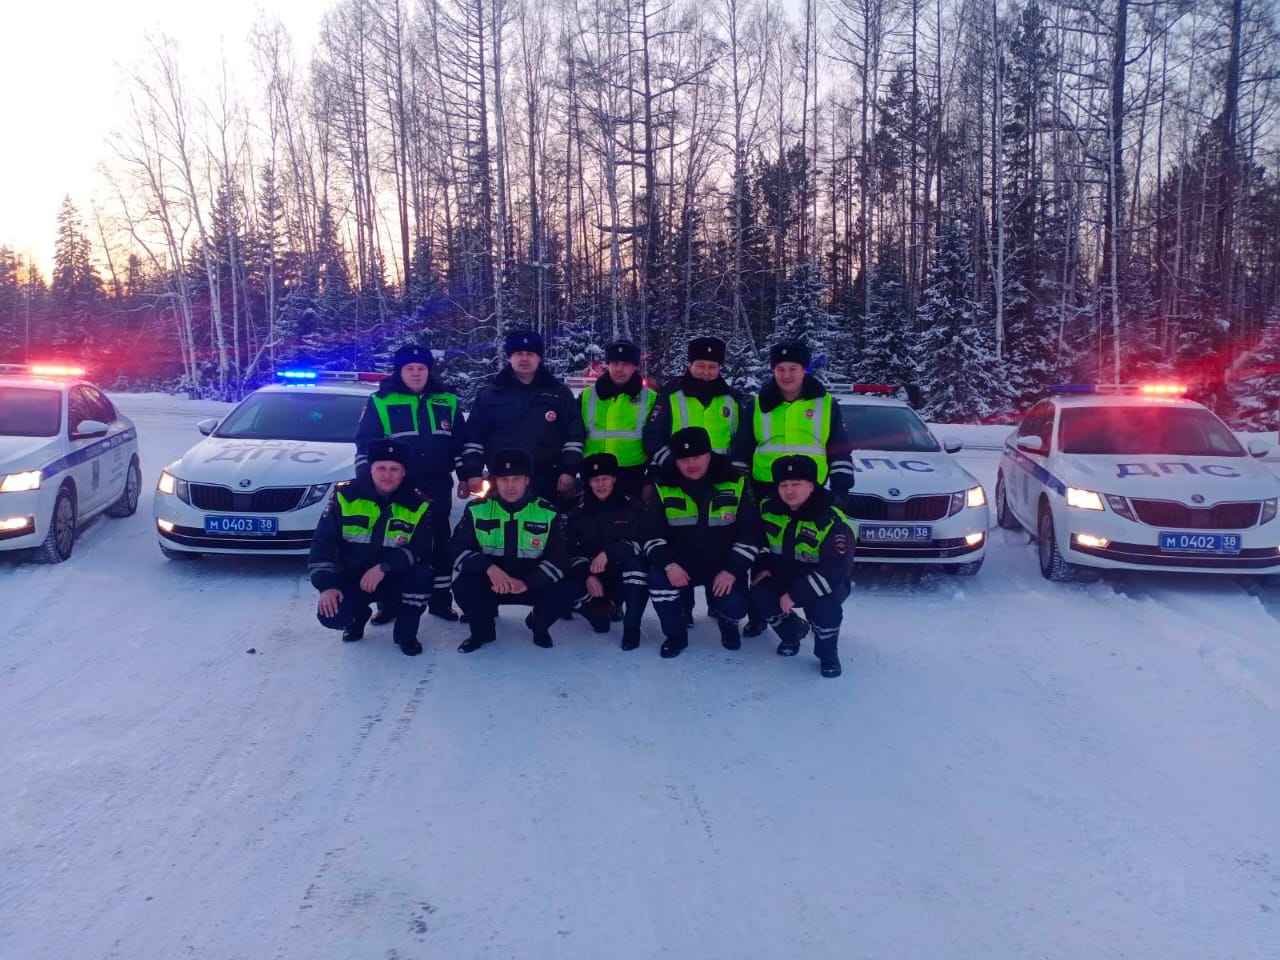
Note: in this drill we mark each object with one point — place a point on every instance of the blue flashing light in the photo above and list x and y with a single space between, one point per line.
296 374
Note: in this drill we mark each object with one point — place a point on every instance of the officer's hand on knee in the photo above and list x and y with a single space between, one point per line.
677 575
372 577
761 576
599 562
786 603
498 579
723 583
328 603
518 586
595 587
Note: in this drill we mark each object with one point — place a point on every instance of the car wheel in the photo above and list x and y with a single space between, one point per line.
61 538
179 555
127 505
1004 516
965 569
1052 565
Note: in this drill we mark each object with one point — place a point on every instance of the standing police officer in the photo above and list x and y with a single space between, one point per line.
511 547
525 408
702 528
373 543
427 419
810 557
700 398
606 560
615 410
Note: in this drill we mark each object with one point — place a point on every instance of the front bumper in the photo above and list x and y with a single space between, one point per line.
180 527
1133 545
35 509
950 543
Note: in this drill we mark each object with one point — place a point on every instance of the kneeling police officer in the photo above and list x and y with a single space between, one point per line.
373 543
702 528
808 563
511 547
606 560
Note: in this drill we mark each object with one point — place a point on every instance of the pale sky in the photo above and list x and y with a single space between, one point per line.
60 78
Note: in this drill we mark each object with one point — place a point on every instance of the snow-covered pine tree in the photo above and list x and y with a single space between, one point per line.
1255 380
744 369
887 340
801 316
960 374
577 349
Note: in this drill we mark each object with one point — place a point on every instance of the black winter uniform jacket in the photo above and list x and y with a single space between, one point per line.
799 578
333 559
433 456
542 417
732 547
607 526
544 571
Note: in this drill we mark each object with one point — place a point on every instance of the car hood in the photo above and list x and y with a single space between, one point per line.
24 453
880 472
1214 479
252 464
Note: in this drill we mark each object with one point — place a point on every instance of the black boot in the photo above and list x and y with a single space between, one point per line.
672 648
754 628
830 667
792 630
630 638
730 638
473 643
383 616
355 629
410 647
615 612
596 613
541 635
441 605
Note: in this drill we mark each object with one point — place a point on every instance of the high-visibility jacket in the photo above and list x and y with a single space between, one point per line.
811 426
615 424
528 539
431 426
693 403
810 550
361 528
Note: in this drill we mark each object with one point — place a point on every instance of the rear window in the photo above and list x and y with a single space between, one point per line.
303 414
29 412
1167 431
886 428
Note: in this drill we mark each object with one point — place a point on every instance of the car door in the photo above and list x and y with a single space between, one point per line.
85 469
1023 489
113 457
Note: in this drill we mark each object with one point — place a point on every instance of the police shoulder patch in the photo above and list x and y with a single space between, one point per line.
840 543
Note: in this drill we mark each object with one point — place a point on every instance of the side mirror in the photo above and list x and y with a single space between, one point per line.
88 429
952 444
207 426
1258 448
1031 445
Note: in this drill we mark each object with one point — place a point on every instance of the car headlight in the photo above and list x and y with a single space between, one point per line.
1084 499
173 486
314 494
1120 506
20 482
1269 509
975 497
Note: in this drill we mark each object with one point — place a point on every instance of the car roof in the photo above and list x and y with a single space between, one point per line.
868 400
46 383
1123 400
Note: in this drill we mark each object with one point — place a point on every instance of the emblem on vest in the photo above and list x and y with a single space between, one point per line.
551 416
444 424
725 411
809 413
536 541
730 516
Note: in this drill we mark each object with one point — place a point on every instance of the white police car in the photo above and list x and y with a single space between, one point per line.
912 502
66 455
1137 478
260 480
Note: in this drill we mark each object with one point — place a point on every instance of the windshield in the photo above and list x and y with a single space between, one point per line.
29 412
886 428
1160 431
301 415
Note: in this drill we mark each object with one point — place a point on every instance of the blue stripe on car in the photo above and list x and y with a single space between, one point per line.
77 457
1035 469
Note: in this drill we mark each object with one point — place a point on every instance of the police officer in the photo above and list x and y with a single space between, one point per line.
606 560
511 547
701 528
615 410
793 414
373 543
807 565
699 398
425 416
525 408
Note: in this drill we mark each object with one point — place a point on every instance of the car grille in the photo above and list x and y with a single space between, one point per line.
865 506
1222 516
209 496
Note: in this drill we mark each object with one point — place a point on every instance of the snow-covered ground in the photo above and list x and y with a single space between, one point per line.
192 767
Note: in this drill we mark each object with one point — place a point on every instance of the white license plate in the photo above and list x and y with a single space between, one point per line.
895 533
241 526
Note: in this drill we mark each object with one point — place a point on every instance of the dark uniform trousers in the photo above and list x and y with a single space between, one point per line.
825 613
474 594
405 592
627 583
667 605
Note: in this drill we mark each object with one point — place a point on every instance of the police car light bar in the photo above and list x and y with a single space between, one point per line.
296 374
311 376
1148 389
42 369
879 388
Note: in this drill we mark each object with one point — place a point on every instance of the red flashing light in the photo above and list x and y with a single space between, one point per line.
55 370
1164 389
871 388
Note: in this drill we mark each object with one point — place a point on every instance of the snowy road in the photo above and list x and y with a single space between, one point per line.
1008 769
